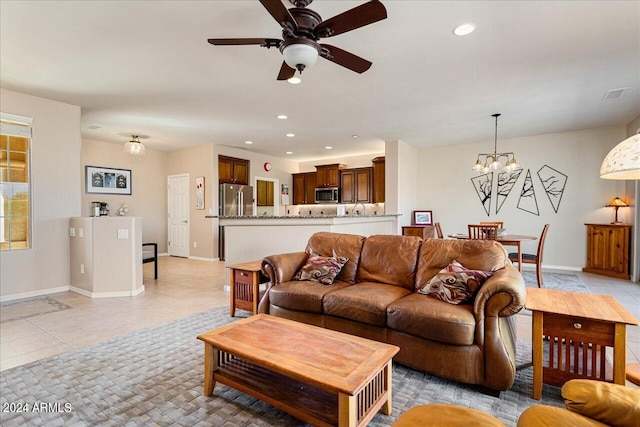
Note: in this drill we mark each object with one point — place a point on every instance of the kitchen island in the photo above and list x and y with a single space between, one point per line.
253 238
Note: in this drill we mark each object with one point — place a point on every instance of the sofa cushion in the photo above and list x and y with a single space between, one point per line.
435 254
389 259
365 302
321 269
433 319
455 284
302 295
344 245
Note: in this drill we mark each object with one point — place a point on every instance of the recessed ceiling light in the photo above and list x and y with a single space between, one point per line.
328 147
282 116
291 135
92 127
289 152
355 136
464 29
248 142
294 80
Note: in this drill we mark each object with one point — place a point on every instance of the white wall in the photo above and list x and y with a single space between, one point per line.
55 195
401 186
445 186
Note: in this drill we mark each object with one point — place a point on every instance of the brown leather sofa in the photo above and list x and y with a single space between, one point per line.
374 297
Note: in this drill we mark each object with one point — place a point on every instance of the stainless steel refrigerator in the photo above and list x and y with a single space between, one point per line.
234 200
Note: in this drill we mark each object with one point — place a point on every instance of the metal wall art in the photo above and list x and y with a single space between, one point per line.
483 186
506 181
528 201
554 183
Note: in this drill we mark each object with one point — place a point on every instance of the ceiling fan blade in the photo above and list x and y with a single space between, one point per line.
344 58
280 13
286 72
357 17
234 42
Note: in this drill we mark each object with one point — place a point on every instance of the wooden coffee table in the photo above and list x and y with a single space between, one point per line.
579 327
322 377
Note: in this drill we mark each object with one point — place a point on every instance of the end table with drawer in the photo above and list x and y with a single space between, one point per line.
244 286
579 327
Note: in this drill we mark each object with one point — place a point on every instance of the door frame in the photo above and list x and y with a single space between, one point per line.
188 211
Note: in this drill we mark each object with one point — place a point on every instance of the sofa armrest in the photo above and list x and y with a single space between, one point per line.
279 268
498 300
502 295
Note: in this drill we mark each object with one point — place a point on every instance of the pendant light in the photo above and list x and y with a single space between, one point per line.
134 147
623 162
492 160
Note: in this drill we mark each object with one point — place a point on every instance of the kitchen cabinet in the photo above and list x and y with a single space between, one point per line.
328 175
608 247
265 193
355 185
233 171
378 180
422 231
304 188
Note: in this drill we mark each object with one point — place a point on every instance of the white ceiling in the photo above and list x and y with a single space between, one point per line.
145 67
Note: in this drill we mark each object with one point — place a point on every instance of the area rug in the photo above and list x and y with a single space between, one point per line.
29 307
565 282
155 377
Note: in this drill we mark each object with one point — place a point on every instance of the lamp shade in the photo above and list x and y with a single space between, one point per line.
618 203
623 162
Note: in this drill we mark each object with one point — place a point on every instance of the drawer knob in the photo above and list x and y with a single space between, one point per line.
577 325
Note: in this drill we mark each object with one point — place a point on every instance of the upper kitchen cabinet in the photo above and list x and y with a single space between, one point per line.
304 188
378 180
355 185
328 175
265 192
233 171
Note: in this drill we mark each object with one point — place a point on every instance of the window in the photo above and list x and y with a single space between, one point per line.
15 187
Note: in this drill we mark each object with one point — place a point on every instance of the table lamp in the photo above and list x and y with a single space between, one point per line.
617 203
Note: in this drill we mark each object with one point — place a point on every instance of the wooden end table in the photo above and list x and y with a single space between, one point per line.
579 327
244 286
320 376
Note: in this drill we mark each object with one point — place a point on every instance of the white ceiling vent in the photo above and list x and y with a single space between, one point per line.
614 93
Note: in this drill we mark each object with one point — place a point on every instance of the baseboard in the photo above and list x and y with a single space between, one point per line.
107 294
199 258
531 267
32 294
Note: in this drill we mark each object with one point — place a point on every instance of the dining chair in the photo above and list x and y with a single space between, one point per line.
534 259
500 224
438 230
483 231
151 256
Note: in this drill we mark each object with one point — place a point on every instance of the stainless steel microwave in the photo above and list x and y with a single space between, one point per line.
327 195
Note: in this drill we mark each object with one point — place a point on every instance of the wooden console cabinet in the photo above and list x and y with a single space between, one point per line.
608 247
422 231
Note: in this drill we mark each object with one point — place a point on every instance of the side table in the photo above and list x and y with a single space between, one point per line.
244 286
579 328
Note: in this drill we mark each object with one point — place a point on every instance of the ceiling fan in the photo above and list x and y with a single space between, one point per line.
302 28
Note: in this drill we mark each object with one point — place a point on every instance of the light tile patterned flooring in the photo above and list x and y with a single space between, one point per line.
187 286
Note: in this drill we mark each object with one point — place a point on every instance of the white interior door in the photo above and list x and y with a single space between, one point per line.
178 215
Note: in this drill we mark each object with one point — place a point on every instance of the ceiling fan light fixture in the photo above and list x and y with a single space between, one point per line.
134 147
464 29
300 53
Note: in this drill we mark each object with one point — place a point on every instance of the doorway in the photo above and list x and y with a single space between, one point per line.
178 198
267 191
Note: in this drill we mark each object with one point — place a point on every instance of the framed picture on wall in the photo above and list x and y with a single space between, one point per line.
200 192
422 218
101 180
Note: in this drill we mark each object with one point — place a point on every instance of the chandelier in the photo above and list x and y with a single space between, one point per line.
492 160
134 146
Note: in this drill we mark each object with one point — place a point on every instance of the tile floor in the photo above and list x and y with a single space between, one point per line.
184 287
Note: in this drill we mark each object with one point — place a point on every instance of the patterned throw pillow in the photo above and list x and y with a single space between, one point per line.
321 269
455 284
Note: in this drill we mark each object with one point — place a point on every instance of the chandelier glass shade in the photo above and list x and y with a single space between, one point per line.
134 146
492 161
623 162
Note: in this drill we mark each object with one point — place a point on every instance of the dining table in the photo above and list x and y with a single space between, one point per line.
505 240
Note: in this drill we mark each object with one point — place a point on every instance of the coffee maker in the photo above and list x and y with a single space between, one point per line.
99 209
